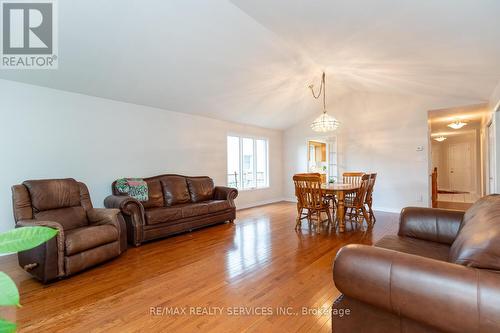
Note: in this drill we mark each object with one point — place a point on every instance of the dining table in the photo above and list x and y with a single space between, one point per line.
340 190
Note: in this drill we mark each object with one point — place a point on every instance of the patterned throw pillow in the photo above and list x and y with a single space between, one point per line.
137 188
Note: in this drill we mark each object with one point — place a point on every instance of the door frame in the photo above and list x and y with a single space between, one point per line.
491 156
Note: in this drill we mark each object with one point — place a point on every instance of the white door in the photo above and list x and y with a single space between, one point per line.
460 165
491 158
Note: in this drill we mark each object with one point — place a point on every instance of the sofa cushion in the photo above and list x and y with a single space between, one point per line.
194 209
162 215
91 257
53 193
69 218
155 195
175 190
82 239
415 246
478 240
200 188
215 206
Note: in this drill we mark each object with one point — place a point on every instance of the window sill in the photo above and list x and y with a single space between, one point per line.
253 189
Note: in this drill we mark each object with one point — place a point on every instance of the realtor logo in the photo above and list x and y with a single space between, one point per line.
29 34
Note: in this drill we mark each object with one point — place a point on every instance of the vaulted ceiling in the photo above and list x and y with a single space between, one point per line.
250 61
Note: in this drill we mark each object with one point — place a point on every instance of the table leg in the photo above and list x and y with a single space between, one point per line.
341 211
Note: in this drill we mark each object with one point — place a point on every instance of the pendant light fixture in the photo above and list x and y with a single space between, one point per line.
323 123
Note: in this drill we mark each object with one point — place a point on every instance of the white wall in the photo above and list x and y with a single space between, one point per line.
46 133
379 133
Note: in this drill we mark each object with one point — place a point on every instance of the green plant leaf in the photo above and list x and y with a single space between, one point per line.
7 326
25 238
8 291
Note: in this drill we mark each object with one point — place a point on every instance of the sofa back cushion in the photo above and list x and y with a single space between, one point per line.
200 188
50 194
69 217
478 240
175 190
155 195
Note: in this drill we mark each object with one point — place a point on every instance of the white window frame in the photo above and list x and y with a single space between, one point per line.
254 140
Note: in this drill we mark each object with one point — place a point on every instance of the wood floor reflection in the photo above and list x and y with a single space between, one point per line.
249 270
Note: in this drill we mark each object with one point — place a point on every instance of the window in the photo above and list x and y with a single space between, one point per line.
333 170
247 162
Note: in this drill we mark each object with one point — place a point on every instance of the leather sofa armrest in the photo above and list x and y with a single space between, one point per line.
436 225
225 193
45 252
133 211
449 297
112 216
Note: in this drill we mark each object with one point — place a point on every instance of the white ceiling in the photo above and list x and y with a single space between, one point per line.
250 61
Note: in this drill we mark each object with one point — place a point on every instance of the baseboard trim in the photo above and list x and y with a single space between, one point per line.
259 203
387 210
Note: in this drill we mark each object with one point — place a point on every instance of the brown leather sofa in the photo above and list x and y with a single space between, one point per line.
87 236
441 273
176 204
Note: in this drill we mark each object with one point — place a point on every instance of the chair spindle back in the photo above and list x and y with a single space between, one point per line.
308 190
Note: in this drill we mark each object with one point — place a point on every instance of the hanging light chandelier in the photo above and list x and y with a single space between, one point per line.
323 123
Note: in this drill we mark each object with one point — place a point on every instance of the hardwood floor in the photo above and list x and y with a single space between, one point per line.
259 263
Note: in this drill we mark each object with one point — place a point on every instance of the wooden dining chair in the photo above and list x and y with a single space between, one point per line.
311 197
352 177
355 205
369 197
302 212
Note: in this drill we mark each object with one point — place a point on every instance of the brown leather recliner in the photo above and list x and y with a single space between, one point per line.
87 236
440 274
176 204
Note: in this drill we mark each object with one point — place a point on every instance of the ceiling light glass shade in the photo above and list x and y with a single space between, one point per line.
440 138
457 124
325 123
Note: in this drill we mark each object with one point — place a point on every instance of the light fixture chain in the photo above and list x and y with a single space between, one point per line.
322 89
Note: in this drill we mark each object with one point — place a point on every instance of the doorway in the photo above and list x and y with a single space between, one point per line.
322 158
456 159
317 158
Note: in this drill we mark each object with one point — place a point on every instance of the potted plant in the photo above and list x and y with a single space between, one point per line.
13 241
